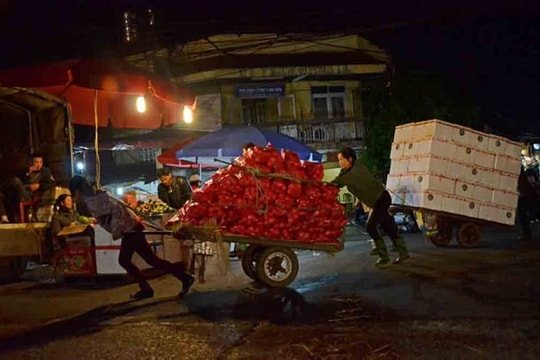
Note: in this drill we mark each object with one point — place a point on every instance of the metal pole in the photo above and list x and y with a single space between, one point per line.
71 138
96 140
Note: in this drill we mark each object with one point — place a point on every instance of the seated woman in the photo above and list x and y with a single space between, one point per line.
64 215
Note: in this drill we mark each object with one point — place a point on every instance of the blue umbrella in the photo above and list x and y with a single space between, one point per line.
228 142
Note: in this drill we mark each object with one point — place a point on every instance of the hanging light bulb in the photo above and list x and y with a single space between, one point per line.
141 104
188 114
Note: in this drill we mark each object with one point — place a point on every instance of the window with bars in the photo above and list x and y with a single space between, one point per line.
328 101
148 155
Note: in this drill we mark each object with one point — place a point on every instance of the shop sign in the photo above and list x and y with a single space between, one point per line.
260 91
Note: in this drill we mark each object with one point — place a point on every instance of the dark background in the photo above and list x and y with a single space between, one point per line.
489 50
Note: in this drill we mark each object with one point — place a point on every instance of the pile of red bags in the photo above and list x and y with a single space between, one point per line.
268 194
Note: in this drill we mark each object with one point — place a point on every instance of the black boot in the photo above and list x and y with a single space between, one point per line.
401 248
187 281
383 259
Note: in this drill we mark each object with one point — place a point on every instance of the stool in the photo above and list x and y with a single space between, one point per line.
25 204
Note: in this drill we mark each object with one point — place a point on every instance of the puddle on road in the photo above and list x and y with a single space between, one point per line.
310 286
282 306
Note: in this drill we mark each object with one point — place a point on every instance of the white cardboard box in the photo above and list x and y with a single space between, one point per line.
433 130
484 159
399 166
404 133
504 198
497 145
397 151
425 182
433 147
497 214
460 206
392 182
508 182
427 200
462 171
431 164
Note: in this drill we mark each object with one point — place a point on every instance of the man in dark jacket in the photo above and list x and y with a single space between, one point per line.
36 180
526 204
173 191
32 184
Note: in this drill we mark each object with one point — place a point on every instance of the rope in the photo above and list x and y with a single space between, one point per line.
429 223
403 202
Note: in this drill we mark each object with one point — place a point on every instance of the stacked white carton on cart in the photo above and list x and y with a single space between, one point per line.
454 169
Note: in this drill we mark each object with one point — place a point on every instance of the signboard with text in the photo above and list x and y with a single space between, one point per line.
259 91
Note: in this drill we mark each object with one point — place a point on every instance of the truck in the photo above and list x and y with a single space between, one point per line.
31 121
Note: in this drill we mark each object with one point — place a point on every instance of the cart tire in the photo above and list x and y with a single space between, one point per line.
277 266
469 235
444 234
249 261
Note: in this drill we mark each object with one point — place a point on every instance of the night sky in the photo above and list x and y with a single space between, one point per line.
490 50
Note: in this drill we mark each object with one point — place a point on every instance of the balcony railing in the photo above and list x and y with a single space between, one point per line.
321 132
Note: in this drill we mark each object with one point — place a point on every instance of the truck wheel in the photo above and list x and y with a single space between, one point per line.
277 267
249 261
469 235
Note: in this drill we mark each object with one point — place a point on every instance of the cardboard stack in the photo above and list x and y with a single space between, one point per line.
450 168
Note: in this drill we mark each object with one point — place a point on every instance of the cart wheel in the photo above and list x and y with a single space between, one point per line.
469 235
444 233
277 267
249 261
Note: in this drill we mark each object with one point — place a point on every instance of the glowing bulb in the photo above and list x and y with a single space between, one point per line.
141 104
119 191
80 166
188 114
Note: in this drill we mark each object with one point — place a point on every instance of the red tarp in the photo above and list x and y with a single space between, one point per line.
168 157
118 87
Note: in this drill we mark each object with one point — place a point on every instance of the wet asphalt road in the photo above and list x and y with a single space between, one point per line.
443 304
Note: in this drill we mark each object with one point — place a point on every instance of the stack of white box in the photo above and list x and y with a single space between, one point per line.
450 168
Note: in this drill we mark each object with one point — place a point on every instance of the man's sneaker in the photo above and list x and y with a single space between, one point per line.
401 258
4 219
382 262
186 284
142 294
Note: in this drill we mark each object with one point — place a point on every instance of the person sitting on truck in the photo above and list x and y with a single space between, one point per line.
173 191
36 180
363 185
64 215
30 185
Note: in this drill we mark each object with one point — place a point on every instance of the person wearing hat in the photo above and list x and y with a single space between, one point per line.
195 182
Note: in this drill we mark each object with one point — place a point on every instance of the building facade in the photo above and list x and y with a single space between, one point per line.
306 86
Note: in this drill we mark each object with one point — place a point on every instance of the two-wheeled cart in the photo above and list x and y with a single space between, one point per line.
439 227
270 261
